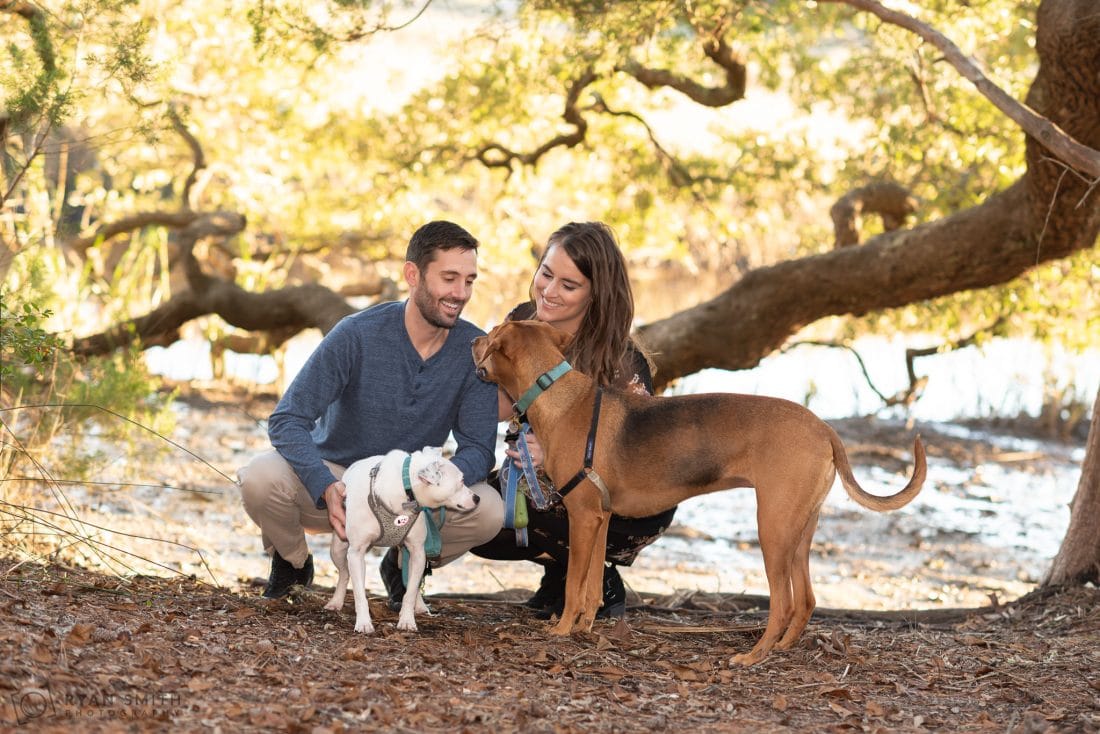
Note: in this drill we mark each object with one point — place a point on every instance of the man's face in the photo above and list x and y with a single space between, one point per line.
442 290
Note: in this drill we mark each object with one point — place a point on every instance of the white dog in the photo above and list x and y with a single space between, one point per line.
400 493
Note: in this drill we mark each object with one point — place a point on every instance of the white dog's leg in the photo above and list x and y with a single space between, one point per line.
357 565
413 602
339 552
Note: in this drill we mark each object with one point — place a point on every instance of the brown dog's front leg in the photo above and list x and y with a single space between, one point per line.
584 509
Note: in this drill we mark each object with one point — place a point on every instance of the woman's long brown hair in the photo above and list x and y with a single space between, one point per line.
599 348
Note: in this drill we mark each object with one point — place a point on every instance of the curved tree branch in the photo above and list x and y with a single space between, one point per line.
1046 215
197 154
678 174
204 224
1050 135
285 311
889 200
495 155
718 51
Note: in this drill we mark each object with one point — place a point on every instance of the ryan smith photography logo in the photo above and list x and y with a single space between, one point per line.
44 702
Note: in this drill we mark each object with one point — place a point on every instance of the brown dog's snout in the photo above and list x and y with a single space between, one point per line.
480 349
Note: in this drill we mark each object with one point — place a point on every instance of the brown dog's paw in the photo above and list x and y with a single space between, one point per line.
745 659
561 629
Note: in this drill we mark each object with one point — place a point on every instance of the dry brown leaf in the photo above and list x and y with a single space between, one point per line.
358 653
610 671
621 631
837 693
841 710
780 703
42 654
198 685
80 634
873 708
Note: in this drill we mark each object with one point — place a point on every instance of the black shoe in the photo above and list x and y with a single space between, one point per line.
614 598
391 577
551 591
283 576
614 595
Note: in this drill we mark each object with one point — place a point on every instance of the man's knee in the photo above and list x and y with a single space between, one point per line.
490 511
260 478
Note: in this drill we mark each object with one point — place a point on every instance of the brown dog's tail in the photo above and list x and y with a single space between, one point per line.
874 502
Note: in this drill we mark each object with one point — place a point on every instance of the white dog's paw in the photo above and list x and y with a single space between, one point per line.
408 625
422 608
335 606
365 627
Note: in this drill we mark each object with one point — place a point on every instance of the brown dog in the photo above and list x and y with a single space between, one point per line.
654 452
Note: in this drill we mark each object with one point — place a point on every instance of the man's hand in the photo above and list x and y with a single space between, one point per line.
334 499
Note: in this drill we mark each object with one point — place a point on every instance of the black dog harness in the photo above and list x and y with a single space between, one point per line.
543 383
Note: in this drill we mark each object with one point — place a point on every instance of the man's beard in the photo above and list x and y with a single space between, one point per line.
429 309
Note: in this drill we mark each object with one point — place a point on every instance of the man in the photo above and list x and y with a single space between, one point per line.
399 375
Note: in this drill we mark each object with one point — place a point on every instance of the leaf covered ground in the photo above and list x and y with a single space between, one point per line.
82 651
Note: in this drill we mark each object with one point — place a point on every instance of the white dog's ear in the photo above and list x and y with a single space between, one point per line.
432 473
433 451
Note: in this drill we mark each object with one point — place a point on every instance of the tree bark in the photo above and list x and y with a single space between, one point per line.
1078 560
1051 212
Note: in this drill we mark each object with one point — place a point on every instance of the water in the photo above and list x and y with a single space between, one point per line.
1006 377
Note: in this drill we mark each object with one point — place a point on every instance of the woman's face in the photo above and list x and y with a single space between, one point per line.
562 293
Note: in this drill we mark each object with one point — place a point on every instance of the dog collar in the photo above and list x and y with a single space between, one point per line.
542 384
411 504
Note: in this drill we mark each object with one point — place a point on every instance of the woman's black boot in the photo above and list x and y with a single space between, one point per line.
614 594
551 591
614 597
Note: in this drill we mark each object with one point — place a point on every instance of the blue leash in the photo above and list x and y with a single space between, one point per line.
539 499
534 491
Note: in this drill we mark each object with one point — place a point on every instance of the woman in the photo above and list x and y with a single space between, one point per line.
581 287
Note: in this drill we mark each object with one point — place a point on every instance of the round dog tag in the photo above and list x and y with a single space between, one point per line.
401 520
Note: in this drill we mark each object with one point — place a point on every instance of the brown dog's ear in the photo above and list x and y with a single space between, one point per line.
562 339
558 338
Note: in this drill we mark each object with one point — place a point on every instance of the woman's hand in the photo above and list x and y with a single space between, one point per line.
533 448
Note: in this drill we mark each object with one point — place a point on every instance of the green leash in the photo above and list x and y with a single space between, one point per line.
433 544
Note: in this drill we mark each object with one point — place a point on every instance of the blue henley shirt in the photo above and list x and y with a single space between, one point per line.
365 391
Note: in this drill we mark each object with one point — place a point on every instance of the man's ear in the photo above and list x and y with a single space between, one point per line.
412 274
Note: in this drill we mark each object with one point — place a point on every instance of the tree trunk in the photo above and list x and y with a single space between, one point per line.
1078 559
1050 213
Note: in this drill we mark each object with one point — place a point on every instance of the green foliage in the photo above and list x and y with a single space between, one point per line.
57 411
24 344
314 137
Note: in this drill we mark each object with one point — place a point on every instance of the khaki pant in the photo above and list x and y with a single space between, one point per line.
282 507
